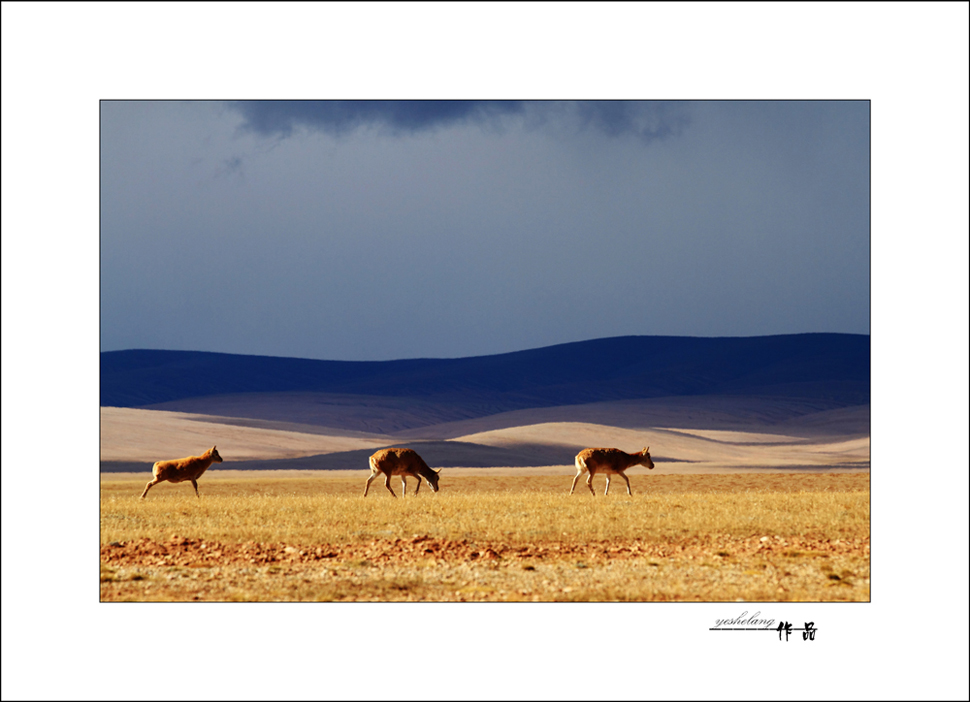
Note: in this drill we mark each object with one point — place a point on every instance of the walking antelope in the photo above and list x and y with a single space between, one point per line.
183 469
608 461
403 462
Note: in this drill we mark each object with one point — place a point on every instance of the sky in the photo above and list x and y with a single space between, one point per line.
375 230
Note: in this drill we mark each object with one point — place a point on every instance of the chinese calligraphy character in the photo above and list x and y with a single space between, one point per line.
809 633
786 627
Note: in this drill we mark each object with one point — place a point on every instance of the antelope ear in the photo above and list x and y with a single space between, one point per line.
438 471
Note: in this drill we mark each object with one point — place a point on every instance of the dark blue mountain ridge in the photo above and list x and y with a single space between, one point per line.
831 366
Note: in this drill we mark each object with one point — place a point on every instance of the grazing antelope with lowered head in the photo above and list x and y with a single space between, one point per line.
183 469
403 462
608 461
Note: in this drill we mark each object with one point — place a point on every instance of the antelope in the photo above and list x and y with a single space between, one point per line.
608 461
403 462
182 469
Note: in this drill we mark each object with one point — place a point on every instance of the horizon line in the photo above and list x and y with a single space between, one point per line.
502 353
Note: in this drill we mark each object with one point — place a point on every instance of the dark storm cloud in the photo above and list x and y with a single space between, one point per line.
649 121
280 118
646 120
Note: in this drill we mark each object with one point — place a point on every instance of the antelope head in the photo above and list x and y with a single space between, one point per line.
647 461
215 455
433 479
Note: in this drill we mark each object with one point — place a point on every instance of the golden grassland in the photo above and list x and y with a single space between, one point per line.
259 537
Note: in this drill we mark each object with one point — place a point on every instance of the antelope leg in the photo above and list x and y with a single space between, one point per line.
574 482
367 484
156 481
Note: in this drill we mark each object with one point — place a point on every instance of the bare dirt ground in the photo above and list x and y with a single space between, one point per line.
423 568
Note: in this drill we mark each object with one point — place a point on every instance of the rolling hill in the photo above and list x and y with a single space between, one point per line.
518 409
830 367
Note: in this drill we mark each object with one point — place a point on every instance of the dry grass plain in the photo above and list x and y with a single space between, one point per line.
489 535
743 504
